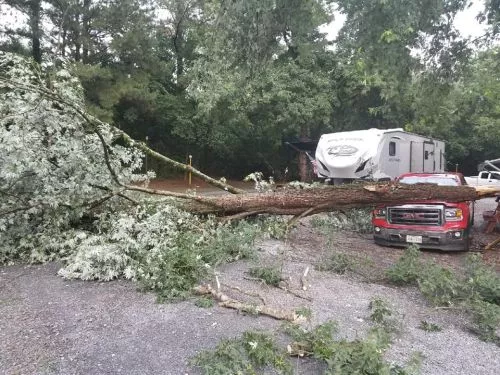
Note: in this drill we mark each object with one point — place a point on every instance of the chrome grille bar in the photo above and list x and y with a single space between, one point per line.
416 215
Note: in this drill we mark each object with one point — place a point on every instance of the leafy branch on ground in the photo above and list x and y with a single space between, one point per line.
164 249
249 354
429 327
304 312
337 262
340 356
477 291
354 220
340 262
256 351
204 302
269 275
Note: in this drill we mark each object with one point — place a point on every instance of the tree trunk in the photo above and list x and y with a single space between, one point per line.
311 201
303 162
303 167
35 17
86 30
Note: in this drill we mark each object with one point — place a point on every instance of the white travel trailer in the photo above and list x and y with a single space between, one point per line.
376 154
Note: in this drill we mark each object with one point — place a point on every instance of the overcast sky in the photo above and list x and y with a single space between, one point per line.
465 21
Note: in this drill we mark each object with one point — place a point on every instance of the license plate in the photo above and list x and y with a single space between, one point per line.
414 239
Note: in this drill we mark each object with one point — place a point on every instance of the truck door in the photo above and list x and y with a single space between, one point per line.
429 159
493 179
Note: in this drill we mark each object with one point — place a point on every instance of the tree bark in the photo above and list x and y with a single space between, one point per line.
36 33
86 30
311 201
303 162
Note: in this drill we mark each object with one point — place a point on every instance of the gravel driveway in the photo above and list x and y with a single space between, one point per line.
52 326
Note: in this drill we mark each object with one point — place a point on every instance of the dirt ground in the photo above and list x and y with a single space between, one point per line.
182 184
49 325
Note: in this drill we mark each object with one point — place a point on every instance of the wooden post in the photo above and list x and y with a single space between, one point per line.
146 156
190 165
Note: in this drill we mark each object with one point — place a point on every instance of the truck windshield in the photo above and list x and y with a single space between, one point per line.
441 181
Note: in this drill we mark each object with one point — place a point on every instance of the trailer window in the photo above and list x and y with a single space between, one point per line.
392 148
426 155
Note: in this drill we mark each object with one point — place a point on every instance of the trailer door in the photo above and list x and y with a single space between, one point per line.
429 158
392 157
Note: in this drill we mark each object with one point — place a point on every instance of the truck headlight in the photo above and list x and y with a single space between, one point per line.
380 213
453 214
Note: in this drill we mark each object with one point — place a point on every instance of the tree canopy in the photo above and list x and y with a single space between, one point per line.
229 81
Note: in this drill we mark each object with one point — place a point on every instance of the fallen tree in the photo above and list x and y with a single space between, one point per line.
70 190
300 203
311 201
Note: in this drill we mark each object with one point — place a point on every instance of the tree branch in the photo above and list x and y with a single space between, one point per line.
228 302
95 123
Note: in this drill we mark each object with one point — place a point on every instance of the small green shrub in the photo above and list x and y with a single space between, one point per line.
318 341
440 285
380 311
482 280
342 356
305 312
477 292
249 354
429 327
387 322
338 263
408 267
171 271
411 367
204 302
486 320
269 275
275 227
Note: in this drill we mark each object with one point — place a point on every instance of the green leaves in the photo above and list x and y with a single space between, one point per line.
477 291
247 355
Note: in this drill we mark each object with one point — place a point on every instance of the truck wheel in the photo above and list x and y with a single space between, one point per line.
467 245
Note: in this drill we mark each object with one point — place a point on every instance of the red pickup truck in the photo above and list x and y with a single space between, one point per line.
429 224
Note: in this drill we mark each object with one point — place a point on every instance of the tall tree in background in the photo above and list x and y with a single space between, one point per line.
228 80
256 79
32 10
388 42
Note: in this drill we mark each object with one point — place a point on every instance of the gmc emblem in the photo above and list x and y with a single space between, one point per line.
412 215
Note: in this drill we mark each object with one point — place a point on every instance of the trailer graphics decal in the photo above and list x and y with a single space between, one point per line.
342 150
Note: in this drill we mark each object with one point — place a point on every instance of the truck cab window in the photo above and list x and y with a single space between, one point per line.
494 176
392 148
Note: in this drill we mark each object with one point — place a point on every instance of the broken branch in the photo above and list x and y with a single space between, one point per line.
225 301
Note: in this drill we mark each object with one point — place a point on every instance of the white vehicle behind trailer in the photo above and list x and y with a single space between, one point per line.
376 154
484 178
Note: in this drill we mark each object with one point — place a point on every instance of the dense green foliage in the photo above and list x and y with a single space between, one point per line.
65 188
477 291
255 352
228 81
247 355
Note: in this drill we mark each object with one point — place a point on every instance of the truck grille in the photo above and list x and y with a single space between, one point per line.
415 215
